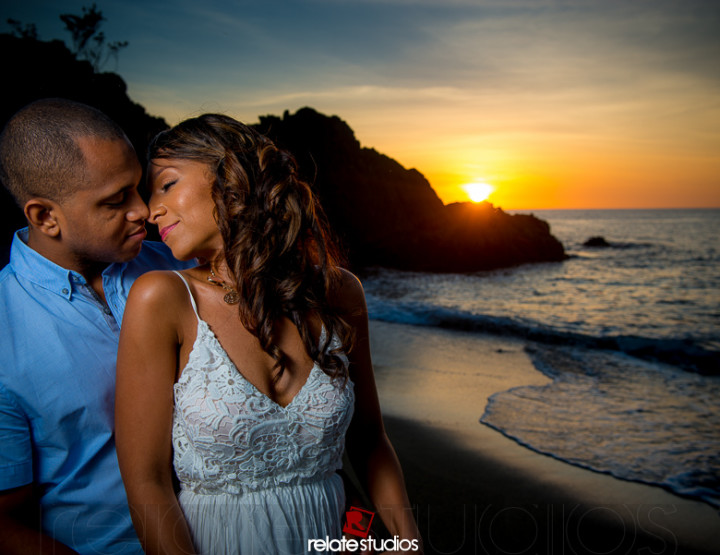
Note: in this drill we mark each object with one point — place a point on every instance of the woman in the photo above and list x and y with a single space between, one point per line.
246 373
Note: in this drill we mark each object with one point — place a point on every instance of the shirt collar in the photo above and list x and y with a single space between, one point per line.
34 267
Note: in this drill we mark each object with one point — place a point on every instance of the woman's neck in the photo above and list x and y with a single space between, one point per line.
219 269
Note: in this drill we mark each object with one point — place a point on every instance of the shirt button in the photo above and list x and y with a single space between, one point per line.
65 291
107 311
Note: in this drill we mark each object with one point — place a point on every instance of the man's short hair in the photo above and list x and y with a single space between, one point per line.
39 151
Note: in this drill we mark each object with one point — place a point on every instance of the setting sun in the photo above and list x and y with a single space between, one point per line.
478 192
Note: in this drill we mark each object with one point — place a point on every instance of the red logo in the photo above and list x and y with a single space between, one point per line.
358 521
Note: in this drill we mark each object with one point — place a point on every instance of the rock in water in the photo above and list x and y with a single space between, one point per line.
596 242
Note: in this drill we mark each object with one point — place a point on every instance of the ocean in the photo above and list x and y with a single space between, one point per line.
629 333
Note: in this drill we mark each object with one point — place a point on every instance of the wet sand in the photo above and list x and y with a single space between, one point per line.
476 491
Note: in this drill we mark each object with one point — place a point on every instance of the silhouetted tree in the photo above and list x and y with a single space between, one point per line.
26 31
88 40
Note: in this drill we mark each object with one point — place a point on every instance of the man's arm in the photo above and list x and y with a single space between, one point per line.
20 529
19 522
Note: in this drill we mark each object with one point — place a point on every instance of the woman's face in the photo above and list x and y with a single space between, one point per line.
181 206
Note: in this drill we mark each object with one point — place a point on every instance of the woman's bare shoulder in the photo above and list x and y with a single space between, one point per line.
157 288
348 293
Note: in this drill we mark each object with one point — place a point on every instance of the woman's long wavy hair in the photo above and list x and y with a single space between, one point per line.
277 243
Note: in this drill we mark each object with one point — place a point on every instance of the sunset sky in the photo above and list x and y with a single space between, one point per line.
553 103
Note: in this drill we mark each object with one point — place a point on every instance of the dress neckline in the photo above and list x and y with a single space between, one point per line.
207 330
205 326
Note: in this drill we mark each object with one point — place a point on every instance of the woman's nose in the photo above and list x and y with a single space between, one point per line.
156 210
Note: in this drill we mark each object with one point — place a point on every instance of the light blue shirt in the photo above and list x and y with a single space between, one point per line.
58 347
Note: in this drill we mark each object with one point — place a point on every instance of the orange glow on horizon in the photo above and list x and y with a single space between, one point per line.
580 187
608 164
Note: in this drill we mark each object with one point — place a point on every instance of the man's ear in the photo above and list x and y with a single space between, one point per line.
41 214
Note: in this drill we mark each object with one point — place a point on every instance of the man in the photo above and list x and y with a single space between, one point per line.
75 175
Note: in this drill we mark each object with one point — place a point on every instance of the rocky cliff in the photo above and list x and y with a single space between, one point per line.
383 213
390 216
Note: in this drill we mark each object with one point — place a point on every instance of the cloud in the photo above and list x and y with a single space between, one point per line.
523 81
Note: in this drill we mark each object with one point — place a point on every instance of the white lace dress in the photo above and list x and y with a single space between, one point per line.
256 477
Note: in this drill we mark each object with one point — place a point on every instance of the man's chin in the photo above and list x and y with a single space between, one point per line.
128 254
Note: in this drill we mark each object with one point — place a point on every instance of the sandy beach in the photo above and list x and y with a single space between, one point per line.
477 491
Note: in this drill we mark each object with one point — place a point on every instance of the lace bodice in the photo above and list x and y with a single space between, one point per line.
230 437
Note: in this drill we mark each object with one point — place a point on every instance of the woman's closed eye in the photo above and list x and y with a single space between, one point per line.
165 186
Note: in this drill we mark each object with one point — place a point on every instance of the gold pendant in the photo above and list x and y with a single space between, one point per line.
232 297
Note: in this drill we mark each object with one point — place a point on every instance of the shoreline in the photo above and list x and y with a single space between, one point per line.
477 491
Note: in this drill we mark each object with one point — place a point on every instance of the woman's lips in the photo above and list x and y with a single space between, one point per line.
166 230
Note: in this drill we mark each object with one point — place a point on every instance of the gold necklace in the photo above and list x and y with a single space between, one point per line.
231 297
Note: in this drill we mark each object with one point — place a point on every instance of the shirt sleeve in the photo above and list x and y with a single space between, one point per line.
15 444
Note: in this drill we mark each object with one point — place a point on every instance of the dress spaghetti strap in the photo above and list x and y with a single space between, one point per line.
187 286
